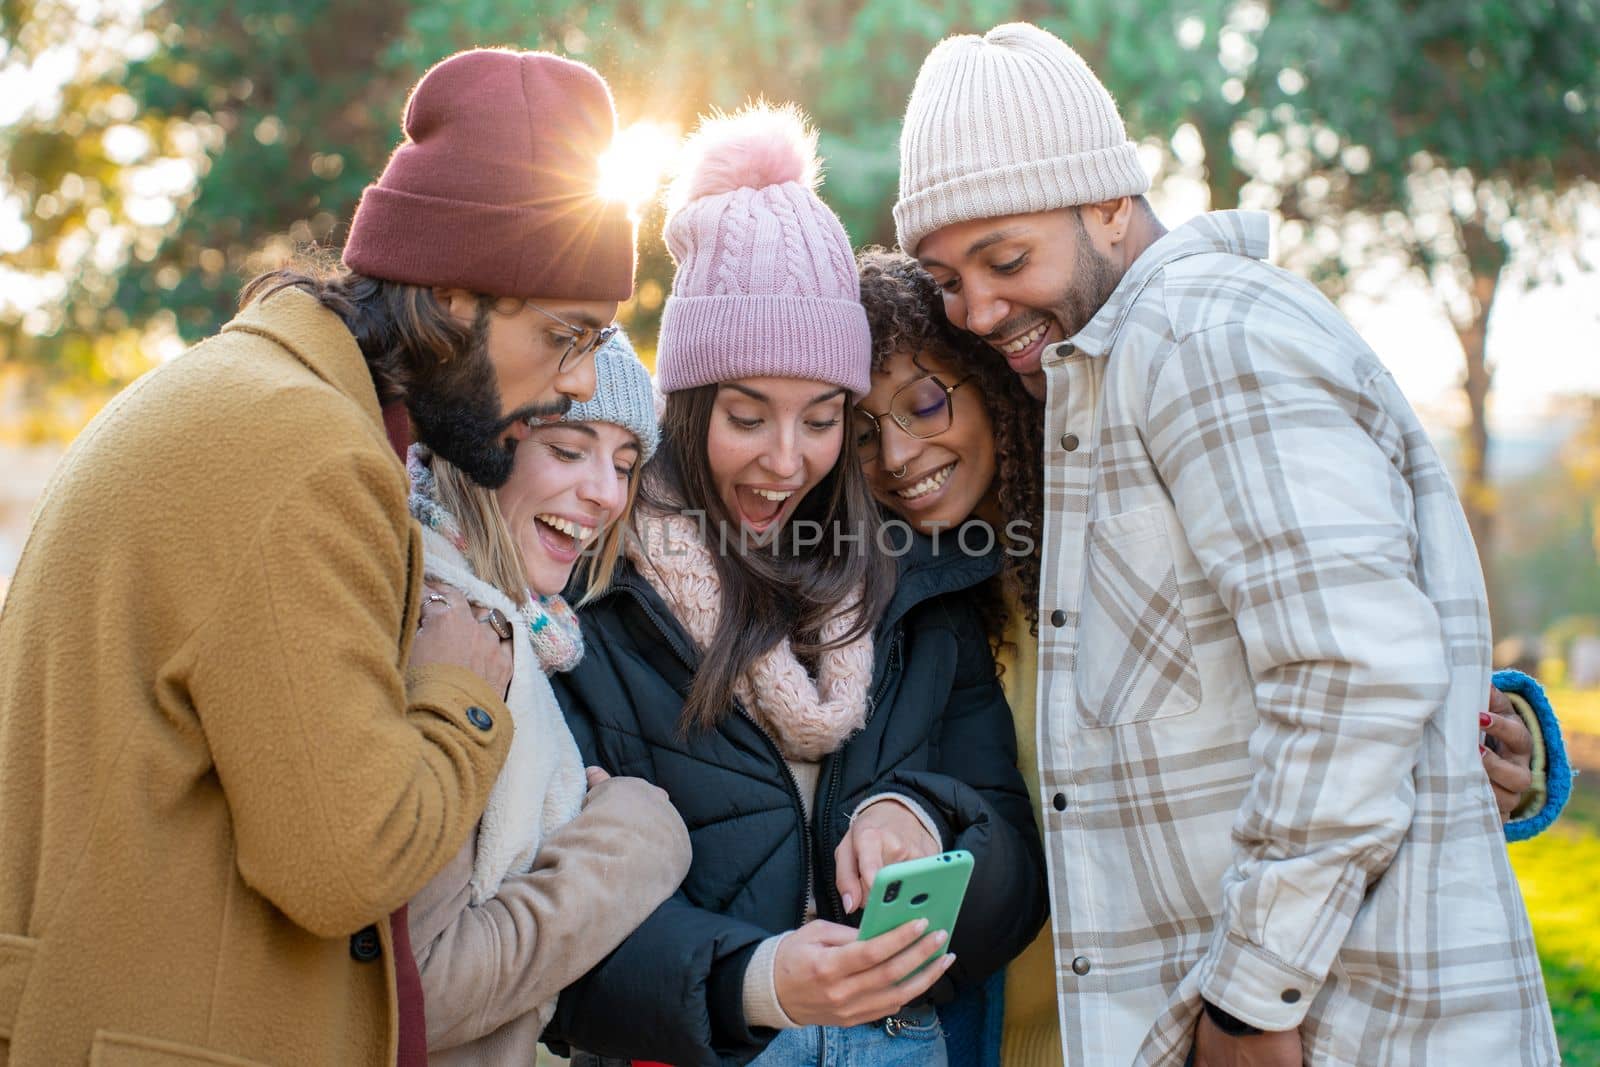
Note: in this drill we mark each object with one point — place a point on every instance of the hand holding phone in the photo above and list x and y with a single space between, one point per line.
931 889
825 976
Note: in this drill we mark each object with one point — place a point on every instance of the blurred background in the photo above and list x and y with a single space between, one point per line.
1428 163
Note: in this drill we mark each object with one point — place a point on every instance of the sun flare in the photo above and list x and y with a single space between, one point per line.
632 169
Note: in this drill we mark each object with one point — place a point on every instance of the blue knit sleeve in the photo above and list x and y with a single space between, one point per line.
1558 771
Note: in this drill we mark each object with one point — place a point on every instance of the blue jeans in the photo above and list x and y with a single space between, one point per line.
911 1039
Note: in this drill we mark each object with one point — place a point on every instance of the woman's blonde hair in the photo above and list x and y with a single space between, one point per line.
492 550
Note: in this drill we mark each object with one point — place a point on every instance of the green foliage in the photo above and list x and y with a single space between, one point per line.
1548 565
1468 115
302 103
285 113
1456 128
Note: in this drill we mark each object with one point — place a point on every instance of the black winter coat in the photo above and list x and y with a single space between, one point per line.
938 730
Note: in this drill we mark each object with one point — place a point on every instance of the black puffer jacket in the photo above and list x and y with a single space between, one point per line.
938 730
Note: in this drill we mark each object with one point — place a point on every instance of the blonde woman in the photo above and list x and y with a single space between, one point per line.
556 875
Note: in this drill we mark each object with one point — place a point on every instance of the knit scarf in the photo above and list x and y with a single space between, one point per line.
809 717
551 623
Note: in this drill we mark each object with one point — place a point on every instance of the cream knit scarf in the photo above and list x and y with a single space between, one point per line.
809 717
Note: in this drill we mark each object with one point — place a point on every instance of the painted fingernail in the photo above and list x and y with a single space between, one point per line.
1481 750
941 937
849 904
922 924
1483 719
949 960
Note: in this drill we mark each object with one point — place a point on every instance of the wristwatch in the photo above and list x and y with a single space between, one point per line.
1230 1024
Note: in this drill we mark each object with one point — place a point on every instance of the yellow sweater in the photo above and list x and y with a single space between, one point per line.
1032 1035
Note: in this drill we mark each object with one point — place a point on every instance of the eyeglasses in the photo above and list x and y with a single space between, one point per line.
922 408
584 340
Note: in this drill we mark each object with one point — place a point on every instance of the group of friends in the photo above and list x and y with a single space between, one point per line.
403 674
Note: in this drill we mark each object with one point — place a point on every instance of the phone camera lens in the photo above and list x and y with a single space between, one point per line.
891 893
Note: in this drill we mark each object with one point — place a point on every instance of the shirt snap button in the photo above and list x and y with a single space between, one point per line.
1080 966
1069 441
1060 802
1058 618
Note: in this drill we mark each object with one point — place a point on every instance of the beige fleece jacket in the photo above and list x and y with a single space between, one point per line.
493 972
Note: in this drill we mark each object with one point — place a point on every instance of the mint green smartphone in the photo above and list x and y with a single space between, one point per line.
930 888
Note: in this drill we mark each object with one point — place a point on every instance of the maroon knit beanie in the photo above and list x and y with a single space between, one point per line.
494 189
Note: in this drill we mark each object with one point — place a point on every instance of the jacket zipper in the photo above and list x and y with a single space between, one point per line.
889 666
772 745
800 809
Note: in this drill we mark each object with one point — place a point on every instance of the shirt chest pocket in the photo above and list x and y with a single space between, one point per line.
1134 662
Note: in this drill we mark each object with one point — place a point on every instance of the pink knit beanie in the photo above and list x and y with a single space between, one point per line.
766 283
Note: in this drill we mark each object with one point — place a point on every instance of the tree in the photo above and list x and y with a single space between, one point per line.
280 115
1450 138
1455 140
1550 554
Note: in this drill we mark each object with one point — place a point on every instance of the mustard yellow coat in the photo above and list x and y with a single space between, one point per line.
215 772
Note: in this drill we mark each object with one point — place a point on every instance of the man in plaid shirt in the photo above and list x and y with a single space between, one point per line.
1264 636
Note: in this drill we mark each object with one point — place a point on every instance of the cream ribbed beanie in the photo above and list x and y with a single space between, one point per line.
1009 123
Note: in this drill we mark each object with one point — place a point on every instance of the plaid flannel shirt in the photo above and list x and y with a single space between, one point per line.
1263 651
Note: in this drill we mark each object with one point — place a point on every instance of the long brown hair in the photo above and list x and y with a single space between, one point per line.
785 590
396 325
906 314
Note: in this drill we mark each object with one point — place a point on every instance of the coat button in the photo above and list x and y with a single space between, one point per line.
1069 441
1059 802
1058 618
1291 996
1066 348
365 945
1080 966
480 718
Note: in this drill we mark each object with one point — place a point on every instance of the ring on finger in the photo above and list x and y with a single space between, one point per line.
497 622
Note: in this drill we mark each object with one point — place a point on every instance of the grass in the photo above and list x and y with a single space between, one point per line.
1560 876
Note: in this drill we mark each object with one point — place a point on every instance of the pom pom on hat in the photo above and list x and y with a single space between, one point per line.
758 146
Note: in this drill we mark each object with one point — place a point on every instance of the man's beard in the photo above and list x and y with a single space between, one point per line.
455 405
1094 279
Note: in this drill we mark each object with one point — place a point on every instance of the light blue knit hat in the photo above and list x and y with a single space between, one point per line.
623 395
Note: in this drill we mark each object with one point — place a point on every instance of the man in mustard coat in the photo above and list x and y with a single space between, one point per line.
228 754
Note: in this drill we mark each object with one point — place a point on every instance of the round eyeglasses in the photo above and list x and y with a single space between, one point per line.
582 342
921 408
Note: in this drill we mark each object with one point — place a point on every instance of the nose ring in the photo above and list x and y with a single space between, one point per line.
901 473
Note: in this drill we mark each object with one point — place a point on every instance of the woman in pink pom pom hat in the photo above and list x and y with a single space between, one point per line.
812 688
